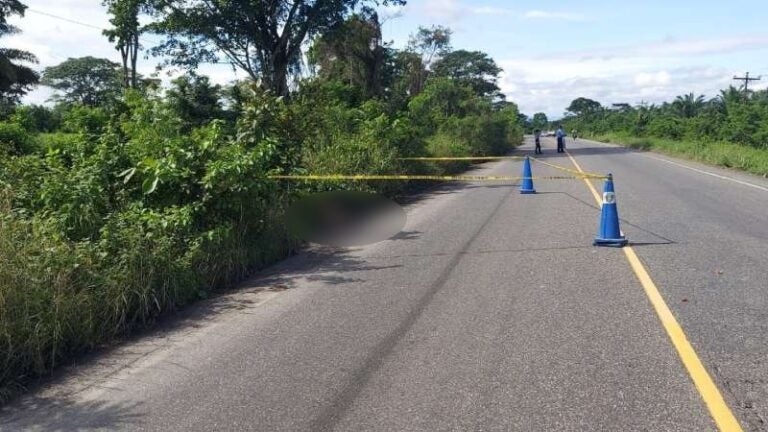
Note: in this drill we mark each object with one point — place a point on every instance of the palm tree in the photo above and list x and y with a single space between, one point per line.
15 79
688 105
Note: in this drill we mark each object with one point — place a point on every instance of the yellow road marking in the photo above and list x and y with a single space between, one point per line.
597 196
718 409
579 172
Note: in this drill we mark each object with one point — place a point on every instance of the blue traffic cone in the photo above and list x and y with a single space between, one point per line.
610 233
527 186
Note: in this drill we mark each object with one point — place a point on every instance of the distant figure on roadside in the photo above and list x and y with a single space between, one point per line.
537 139
560 134
574 135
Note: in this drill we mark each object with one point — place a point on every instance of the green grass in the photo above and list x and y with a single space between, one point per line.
60 298
725 154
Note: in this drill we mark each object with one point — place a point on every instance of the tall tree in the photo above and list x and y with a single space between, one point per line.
125 34
730 97
688 105
353 53
195 100
431 43
428 45
15 79
264 38
88 80
473 68
584 106
540 121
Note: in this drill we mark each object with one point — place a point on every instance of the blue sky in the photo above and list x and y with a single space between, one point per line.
551 51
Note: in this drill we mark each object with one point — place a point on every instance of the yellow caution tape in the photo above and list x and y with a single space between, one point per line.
576 173
468 178
462 158
580 174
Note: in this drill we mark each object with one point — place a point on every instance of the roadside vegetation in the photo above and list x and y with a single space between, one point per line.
127 198
730 130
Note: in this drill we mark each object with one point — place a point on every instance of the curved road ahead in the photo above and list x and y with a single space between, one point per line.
490 311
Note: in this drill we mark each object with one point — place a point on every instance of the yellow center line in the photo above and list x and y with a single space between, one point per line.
718 409
597 196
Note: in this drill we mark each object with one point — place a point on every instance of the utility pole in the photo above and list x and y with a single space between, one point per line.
746 78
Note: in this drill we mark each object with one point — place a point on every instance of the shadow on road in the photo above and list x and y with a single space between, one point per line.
333 266
492 186
406 235
57 414
659 239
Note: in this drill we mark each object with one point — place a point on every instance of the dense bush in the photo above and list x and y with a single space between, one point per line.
36 118
730 130
102 233
721 153
110 217
15 140
732 116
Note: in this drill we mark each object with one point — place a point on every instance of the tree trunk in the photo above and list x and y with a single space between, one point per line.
124 55
134 59
279 75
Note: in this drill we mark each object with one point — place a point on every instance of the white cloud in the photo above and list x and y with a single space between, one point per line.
675 48
446 10
391 12
55 30
653 71
551 85
563 16
454 10
660 78
490 10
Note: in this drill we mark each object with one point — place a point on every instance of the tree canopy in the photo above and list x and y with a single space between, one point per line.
583 106
87 80
539 121
15 79
264 38
425 47
733 116
125 34
194 99
353 53
473 68
688 105
430 43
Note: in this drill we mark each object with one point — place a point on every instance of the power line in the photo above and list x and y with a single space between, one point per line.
71 21
746 78
64 19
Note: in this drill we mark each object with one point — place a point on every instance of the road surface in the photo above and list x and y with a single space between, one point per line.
490 311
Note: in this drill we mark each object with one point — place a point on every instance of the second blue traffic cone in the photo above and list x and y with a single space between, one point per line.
527 186
610 232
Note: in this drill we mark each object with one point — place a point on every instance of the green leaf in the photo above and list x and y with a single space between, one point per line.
127 174
149 162
150 185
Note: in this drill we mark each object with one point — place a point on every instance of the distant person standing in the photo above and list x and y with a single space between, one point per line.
574 135
537 139
560 134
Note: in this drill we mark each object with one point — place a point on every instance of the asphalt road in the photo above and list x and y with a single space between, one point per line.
491 310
